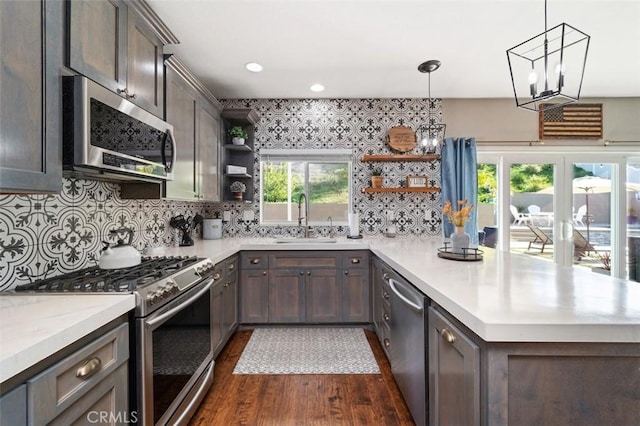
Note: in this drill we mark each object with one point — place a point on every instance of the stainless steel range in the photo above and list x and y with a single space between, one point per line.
173 364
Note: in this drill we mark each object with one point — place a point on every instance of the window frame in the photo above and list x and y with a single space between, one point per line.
306 156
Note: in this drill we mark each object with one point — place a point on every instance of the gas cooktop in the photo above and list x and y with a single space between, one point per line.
124 280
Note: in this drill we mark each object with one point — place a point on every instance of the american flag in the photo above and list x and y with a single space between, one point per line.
572 121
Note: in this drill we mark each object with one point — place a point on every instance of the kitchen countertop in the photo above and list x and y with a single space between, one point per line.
33 327
505 298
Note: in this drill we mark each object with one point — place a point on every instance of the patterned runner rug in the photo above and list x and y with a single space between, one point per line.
307 351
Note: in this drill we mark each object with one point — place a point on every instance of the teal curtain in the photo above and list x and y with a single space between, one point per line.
459 180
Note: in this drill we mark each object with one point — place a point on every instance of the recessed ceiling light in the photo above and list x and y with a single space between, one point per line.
317 87
253 67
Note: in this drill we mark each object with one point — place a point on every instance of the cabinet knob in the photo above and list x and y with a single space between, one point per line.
355 261
385 295
255 261
89 368
301 273
232 267
448 335
216 277
387 343
386 317
346 272
308 272
385 277
264 272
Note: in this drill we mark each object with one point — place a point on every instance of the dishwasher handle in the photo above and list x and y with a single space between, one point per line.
413 305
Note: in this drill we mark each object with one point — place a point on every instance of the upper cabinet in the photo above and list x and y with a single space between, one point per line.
237 158
194 113
119 45
30 96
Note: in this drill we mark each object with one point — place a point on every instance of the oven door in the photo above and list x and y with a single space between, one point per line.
175 358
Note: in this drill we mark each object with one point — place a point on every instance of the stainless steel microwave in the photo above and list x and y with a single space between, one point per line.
108 137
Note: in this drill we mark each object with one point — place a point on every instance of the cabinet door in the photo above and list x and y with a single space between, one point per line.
145 70
454 374
356 302
286 295
230 296
97 35
181 113
254 296
323 294
217 314
208 145
30 96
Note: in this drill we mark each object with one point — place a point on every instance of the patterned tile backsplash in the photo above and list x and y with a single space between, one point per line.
47 235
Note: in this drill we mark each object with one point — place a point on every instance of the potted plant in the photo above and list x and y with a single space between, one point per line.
376 178
238 135
238 188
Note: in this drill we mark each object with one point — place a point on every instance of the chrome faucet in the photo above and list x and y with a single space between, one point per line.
331 230
306 214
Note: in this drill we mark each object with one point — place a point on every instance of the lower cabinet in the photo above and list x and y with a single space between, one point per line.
224 306
93 381
381 303
454 374
305 287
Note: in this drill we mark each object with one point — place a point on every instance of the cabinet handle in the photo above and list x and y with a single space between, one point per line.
447 335
89 368
216 276
385 277
355 261
126 93
232 267
387 343
385 295
386 317
255 261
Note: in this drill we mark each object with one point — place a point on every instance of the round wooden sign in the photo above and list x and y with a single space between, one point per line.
401 138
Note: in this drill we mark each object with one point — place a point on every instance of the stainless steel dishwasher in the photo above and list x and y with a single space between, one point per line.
408 346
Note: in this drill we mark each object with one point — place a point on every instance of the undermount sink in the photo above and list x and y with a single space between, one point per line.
311 240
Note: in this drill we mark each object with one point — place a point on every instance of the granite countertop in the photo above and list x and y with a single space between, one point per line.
505 298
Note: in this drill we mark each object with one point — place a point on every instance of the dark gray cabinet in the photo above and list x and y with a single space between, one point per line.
305 287
217 309
195 115
254 287
224 306
31 55
454 374
381 302
111 43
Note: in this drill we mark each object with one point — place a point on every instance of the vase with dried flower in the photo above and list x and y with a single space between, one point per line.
238 189
460 240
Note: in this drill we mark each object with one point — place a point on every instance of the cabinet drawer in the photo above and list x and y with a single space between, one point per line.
231 267
254 260
60 386
297 260
356 259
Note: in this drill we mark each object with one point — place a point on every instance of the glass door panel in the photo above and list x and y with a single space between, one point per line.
487 214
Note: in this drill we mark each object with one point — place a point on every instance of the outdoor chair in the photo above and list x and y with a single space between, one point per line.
577 217
540 239
580 245
533 209
519 218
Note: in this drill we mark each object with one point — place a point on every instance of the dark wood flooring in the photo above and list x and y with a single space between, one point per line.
307 399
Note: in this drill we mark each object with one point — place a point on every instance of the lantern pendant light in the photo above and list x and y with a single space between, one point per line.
547 70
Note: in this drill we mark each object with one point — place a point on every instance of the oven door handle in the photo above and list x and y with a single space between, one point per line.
180 306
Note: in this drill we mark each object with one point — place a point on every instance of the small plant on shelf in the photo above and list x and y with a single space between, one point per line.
238 188
376 178
238 135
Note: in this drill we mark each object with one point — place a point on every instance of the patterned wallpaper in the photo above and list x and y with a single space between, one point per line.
47 235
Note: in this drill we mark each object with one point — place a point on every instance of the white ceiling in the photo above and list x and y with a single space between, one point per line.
371 48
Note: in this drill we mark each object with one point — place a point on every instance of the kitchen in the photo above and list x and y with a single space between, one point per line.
79 216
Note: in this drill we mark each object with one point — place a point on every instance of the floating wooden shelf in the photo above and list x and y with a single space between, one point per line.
400 189
232 147
400 157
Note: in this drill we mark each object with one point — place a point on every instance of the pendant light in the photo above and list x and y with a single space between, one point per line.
431 133
547 70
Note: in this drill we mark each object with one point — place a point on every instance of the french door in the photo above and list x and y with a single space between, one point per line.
585 224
